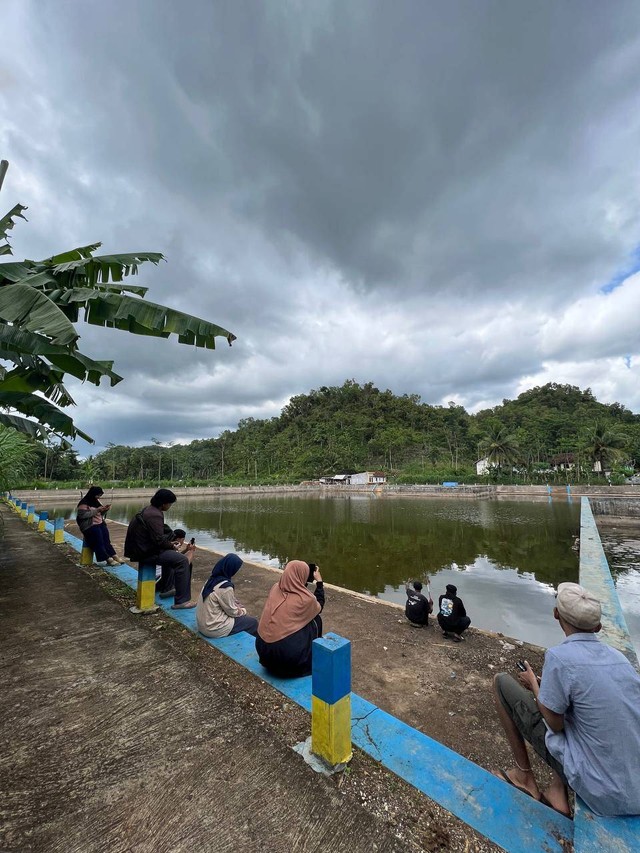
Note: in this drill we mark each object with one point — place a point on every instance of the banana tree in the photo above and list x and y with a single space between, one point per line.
40 301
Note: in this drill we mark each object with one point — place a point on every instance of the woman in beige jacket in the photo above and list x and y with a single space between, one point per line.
218 612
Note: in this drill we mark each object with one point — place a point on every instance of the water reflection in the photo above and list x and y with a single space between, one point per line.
505 556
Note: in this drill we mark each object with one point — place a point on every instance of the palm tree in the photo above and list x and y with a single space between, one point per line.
39 303
499 446
603 446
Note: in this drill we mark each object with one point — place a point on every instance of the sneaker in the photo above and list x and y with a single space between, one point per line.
184 606
112 562
169 593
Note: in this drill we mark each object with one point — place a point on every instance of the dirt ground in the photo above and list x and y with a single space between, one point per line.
437 686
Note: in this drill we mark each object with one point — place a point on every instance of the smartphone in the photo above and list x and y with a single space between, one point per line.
192 541
521 666
312 568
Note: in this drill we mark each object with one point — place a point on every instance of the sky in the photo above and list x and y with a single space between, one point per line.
441 197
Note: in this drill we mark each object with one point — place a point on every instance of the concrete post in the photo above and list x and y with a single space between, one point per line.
331 699
58 531
42 518
146 589
86 557
23 509
31 511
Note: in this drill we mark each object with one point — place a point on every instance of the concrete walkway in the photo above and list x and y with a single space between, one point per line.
113 742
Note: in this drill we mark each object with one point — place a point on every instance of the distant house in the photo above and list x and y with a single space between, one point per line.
341 479
367 478
563 462
483 466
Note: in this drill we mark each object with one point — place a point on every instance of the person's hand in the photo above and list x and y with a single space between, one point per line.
528 678
104 508
317 576
190 547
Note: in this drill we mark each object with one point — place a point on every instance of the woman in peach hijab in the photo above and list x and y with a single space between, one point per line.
290 621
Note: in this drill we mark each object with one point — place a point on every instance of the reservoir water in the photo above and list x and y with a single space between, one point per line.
506 557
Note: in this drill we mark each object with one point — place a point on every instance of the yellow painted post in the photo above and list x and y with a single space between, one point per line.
23 509
58 531
42 518
86 557
31 511
146 589
331 699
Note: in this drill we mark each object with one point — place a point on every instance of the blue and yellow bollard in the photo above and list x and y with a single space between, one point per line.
331 699
31 512
146 589
58 531
42 518
23 509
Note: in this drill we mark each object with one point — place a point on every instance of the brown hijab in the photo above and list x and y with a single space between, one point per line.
289 605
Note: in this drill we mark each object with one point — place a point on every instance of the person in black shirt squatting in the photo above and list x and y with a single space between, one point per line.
452 617
418 606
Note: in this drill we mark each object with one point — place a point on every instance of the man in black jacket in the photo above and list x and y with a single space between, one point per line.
149 540
418 606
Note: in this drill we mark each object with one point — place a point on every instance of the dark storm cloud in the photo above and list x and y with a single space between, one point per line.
425 195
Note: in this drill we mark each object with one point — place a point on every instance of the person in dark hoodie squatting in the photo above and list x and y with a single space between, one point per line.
452 617
150 540
418 606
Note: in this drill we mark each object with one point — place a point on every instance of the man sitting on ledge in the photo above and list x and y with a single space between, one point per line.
582 716
149 540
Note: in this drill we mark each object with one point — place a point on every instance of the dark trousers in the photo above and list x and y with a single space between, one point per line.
454 626
98 539
244 623
176 571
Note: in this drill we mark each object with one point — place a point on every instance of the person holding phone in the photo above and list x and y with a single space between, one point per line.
581 716
291 621
219 613
90 518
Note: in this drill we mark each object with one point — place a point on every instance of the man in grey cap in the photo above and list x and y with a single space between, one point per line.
582 716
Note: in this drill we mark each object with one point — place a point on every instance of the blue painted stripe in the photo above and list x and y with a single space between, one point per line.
498 811
597 834
595 575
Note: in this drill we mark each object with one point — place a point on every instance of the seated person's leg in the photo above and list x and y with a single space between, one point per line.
93 538
245 623
172 561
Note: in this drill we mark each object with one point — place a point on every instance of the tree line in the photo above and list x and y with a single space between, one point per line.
553 432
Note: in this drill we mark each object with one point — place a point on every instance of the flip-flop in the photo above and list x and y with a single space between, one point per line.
545 802
501 774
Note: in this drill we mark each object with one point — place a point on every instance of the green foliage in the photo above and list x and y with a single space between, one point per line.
17 455
40 301
358 427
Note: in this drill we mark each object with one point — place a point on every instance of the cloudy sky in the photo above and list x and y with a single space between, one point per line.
441 196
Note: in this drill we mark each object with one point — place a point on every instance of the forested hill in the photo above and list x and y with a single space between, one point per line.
358 427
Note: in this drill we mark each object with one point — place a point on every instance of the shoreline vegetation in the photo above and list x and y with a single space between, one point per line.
554 434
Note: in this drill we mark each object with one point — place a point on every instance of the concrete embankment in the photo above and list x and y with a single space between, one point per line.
619 501
123 733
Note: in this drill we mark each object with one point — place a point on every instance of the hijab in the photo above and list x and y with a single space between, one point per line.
91 498
222 572
289 605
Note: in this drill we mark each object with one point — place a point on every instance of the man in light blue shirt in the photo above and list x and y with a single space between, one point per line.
582 716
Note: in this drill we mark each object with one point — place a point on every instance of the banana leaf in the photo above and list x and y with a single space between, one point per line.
35 312
67 359
45 413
